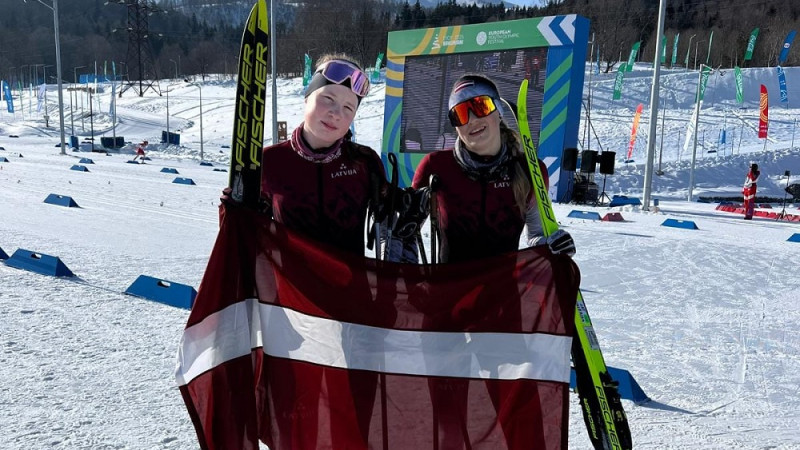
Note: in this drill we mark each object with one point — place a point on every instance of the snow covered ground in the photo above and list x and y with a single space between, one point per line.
703 319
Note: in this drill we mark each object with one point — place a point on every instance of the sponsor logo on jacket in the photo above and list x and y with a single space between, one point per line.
344 171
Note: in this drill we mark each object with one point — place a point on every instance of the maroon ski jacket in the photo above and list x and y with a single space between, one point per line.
326 201
477 218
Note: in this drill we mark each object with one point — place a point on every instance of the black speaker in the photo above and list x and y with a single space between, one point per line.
588 161
607 163
569 160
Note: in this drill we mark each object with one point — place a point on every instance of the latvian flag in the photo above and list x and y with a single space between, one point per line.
301 346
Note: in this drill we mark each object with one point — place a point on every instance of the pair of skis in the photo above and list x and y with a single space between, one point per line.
597 391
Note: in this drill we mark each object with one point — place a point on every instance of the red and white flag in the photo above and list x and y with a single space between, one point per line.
634 129
302 346
763 119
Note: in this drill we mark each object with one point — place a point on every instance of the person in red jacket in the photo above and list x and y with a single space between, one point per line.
482 198
321 184
485 197
140 151
749 191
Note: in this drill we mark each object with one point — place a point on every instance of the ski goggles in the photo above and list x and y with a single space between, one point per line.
480 106
340 71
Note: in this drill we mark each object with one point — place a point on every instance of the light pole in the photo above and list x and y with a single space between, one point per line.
200 89
695 54
688 50
696 125
54 8
176 68
75 81
167 91
651 138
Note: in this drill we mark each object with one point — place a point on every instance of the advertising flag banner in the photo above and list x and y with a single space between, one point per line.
782 85
751 45
675 50
690 129
632 56
704 81
763 119
663 49
303 346
787 44
306 70
618 82
634 129
739 85
40 97
375 75
8 96
597 67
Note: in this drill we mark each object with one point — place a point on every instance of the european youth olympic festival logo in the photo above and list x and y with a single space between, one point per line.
481 38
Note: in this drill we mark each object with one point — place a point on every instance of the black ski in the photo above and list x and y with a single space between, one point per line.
248 122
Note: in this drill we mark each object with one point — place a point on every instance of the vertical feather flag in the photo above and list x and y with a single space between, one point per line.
632 57
763 121
782 85
739 85
663 49
618 82
306 70
704 81
751 45
634 129
675 50
787 44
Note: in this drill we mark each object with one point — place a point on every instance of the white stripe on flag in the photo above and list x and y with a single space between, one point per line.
224 336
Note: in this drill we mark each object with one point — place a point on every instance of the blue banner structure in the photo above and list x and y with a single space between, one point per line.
787 44
9 98
782 85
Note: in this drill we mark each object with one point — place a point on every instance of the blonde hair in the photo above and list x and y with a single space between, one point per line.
520 179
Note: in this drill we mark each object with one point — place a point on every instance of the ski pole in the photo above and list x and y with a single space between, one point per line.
390 219
433 184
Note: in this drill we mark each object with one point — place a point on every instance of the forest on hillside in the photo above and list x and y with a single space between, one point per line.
188 37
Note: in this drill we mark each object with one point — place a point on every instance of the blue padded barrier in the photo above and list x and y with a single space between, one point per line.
162 291
61 200
621 200
794 238
181 180
675 223
39 263
86 161
588 215
628 388
79 168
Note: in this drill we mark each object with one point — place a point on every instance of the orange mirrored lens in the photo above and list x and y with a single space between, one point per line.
480 106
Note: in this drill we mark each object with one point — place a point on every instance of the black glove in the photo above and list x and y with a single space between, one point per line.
263 207
559 243
412 212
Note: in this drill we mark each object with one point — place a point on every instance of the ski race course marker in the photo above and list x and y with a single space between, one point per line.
39 263
163 291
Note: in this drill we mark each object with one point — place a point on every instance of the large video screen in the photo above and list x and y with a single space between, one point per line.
424 124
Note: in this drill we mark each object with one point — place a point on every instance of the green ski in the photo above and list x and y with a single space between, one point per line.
248 122
602 410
